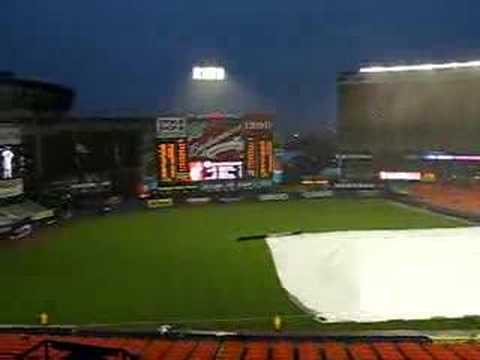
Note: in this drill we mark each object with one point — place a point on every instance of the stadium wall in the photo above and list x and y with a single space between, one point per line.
412 111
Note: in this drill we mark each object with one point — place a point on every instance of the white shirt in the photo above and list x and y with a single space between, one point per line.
7 156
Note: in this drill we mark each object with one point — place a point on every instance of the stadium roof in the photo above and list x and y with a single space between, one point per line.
420 67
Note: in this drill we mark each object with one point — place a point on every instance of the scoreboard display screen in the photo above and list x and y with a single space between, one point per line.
251 155
172 157
266 159
207 148
259 158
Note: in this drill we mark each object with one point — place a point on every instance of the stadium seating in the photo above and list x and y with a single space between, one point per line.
466 351
181 350
230 350
257 350
387 351
207 348
283 351
414 351
334 351
440 352
18 213
362 352
308 351
157 349
465 199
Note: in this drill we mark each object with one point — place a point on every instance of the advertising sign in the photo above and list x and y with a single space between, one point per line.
159 203
171 127
227 199
400 175
198 200
354 186
215 140
258 124
273 197
317 194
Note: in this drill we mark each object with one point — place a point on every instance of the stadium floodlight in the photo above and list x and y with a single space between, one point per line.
453 157
211 73
421 67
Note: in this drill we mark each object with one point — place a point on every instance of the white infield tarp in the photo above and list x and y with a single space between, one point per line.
382 274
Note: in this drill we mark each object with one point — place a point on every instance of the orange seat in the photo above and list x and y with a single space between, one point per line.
334 351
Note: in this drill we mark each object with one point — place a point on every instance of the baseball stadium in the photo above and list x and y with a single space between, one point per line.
172 235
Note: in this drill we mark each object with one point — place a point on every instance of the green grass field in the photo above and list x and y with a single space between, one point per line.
182 264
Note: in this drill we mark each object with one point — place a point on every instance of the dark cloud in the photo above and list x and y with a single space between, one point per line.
136 54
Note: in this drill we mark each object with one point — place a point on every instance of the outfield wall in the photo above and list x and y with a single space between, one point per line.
262 197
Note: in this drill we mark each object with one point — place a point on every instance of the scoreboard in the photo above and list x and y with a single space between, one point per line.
207 148
259 158
172 157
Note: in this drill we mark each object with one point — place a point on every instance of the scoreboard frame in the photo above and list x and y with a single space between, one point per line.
173 158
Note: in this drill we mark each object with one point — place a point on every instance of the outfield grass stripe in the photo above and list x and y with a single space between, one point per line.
183 263
197 321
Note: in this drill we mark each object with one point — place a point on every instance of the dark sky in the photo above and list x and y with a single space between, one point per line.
135 55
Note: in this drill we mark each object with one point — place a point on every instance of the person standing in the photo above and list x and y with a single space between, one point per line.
7 163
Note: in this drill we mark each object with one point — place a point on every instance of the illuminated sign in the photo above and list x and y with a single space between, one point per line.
263 163
251 157
265 158
211 73
171 158
258 125
354 186
354 156
452 157
182 150
397 175
162 160
195 148
167 161
172 161
269 155
209 170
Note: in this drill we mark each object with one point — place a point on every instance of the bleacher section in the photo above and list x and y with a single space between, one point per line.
11 345
25 212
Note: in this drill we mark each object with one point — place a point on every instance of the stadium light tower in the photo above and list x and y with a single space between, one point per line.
208 73
420 67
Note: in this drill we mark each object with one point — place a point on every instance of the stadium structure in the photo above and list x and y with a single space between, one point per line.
196 281
410 118
47 151
61 147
